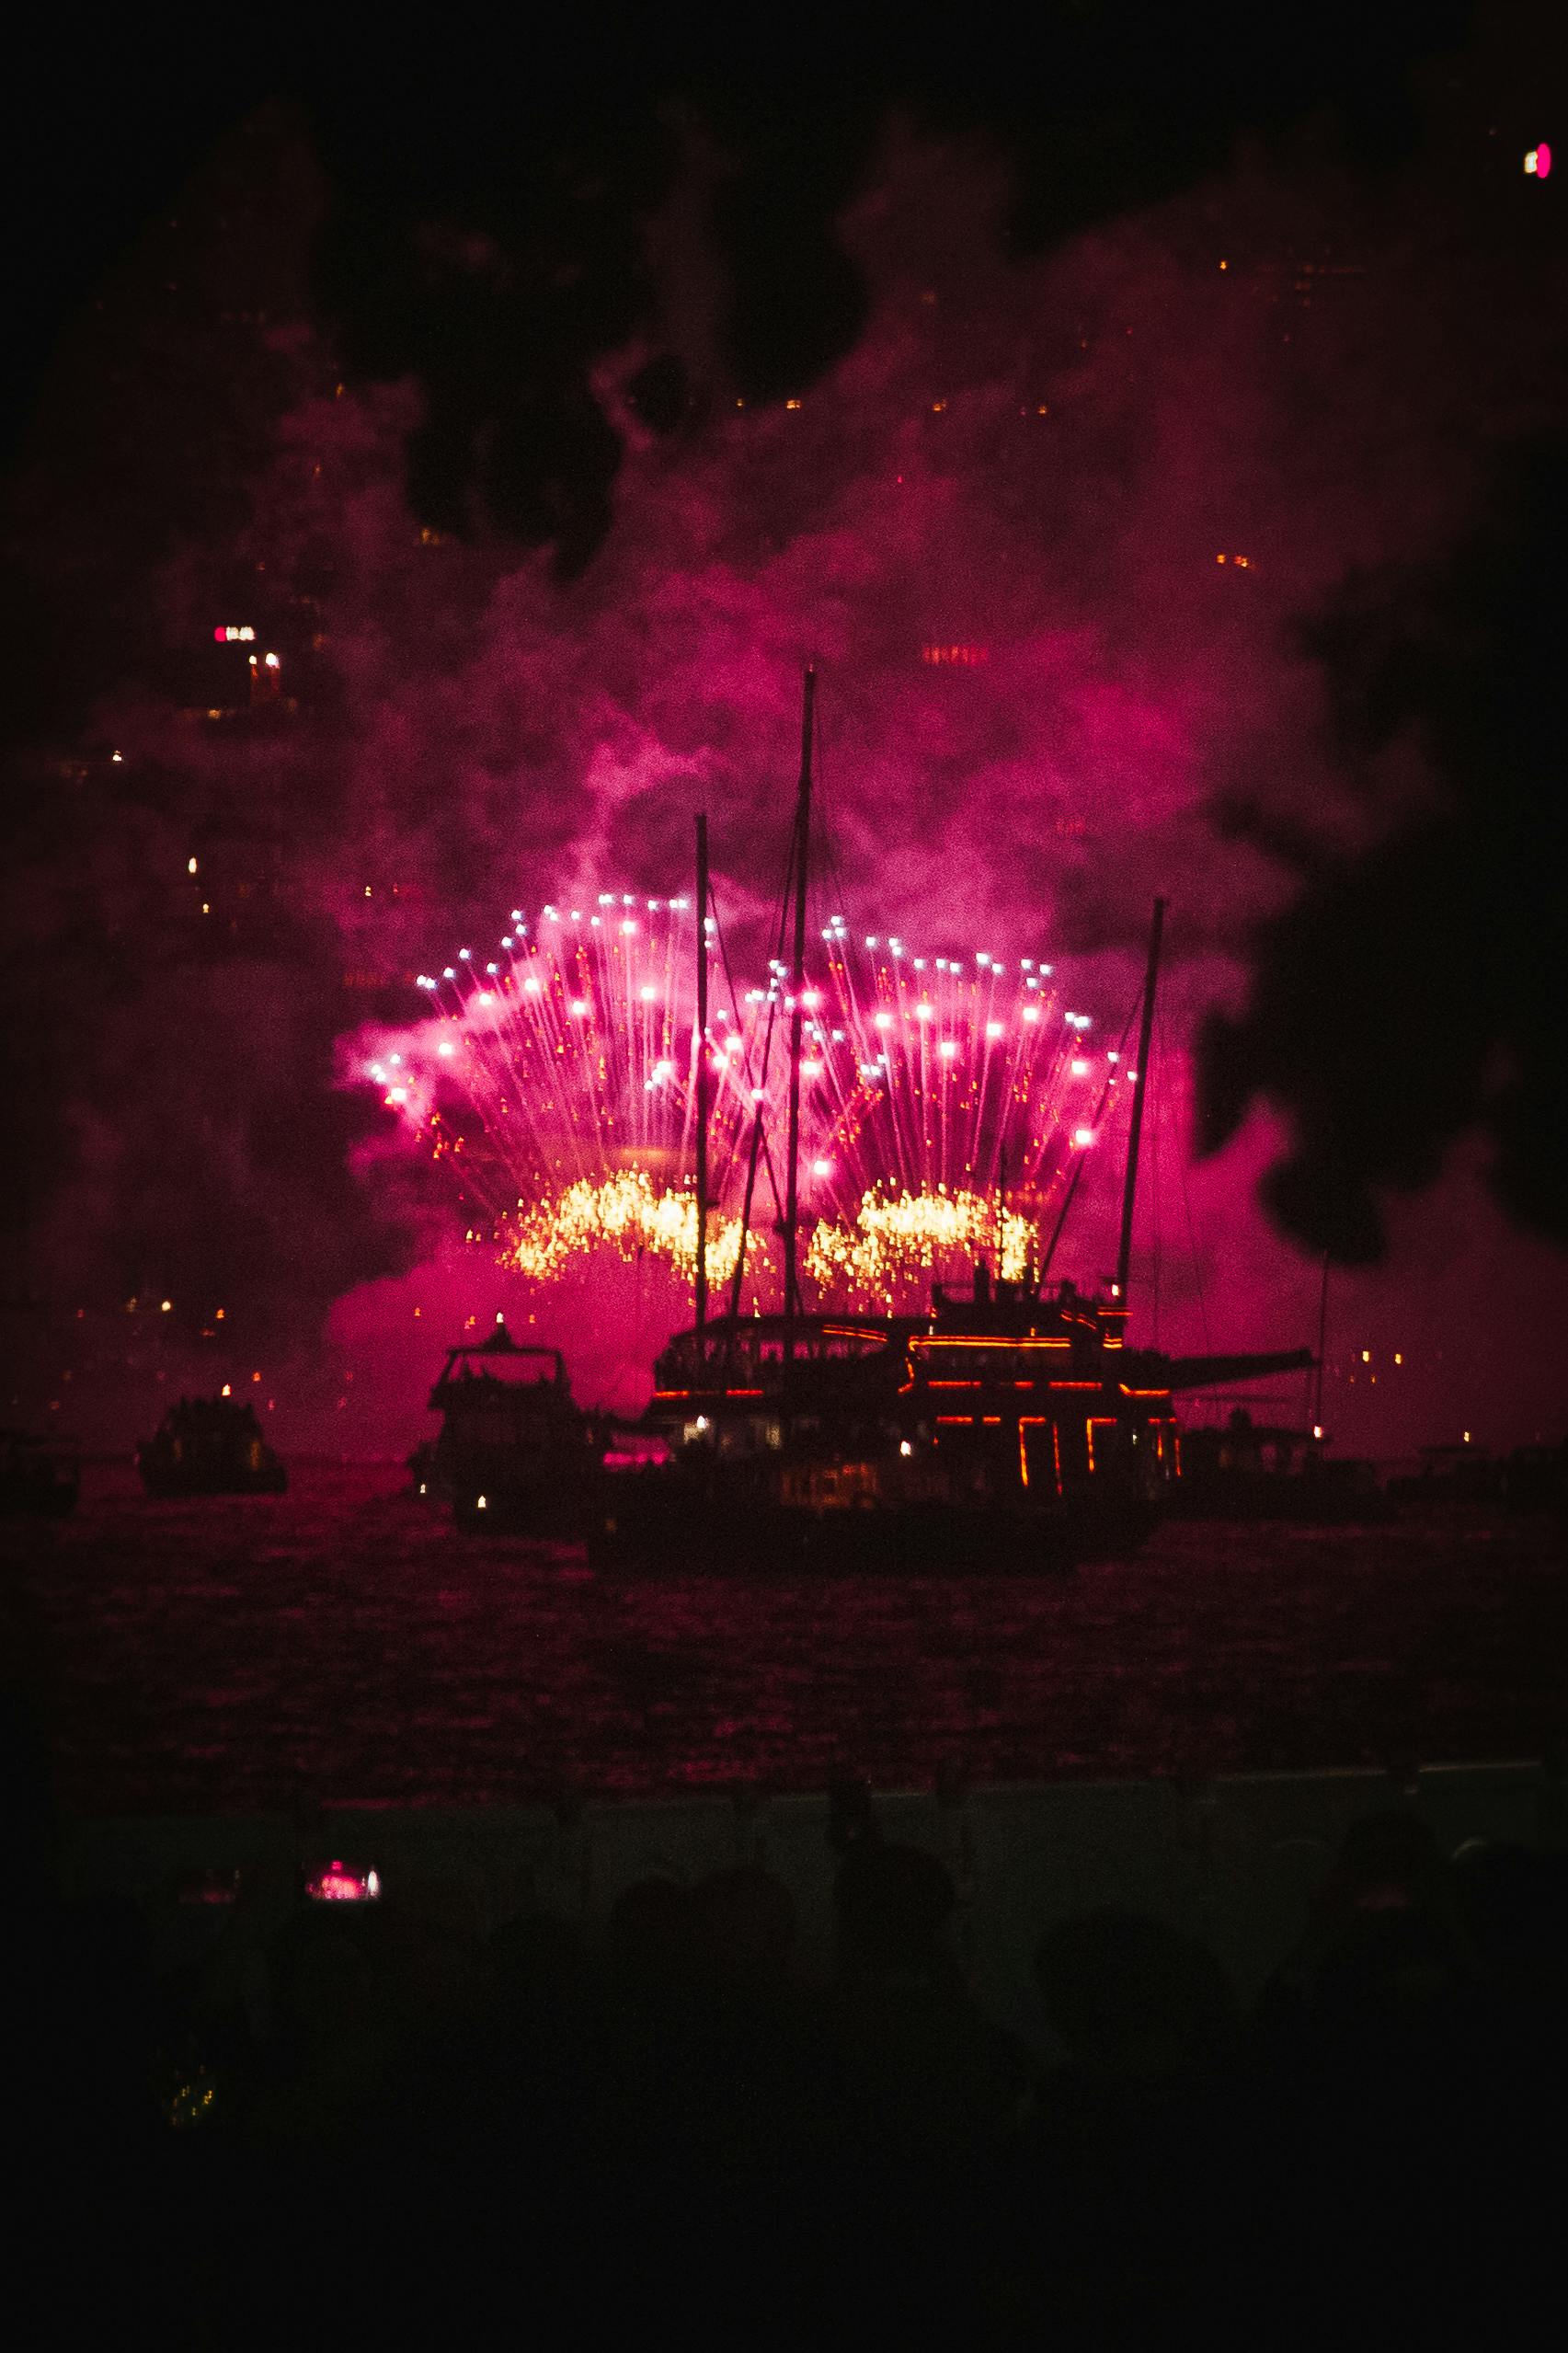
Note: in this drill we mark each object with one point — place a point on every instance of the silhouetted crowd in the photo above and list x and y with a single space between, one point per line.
345 2121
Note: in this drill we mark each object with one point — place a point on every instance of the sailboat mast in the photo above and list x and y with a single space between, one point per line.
1145 1032
798 989
702 1075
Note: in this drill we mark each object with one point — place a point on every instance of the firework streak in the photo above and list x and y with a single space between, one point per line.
942 1099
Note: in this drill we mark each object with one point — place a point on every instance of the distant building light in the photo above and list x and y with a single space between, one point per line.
955 657
231 635
271 661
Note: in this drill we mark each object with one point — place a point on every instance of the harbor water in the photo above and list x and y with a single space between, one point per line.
341 1644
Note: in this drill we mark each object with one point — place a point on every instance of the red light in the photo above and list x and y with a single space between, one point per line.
1543 161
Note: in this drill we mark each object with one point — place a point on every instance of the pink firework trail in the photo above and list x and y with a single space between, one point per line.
943 1098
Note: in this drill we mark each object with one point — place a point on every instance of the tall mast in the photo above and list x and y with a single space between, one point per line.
797 987
1145 1031
1322 1349
702 1075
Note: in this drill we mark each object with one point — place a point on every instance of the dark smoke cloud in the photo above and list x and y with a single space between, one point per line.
1446 931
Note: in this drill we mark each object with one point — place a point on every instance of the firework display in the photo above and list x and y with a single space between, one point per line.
555 1083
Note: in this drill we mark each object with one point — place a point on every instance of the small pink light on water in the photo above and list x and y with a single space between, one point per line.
337 1884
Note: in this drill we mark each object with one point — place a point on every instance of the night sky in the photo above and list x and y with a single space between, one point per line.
543 408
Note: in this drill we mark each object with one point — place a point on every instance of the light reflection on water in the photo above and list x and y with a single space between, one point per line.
340 1644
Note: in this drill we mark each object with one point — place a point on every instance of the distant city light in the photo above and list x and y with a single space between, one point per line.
231 635
1538 162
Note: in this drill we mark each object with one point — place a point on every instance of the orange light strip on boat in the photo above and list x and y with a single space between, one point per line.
743 1392
1056 1451
1141 1392
1094 1422
955 1385
1028 1421
981 1341
671 1393
1076 1384
962 1419
851 1332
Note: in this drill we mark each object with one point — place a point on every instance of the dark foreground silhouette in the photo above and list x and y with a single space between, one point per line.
346 2122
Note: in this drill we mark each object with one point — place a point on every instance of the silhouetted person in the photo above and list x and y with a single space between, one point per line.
1131 2156
928 2093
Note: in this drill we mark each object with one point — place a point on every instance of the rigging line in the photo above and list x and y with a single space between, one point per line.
1155 1078
1081 1163
752 1082
758 1147
1187 1213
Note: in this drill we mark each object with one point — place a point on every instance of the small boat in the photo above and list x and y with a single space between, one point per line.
1266 1471
37 1475
515 1449
210 1446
